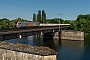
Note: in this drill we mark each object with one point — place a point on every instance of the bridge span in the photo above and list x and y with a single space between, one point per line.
45 28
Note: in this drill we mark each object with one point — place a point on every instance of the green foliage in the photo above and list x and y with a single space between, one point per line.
8 24
39 16
43 16
74 25
55 21
82 23
67 21
52 21
34 17
5 23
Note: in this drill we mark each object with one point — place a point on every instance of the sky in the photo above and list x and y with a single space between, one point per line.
69 9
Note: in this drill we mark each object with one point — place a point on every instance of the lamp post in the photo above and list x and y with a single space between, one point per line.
59 26
59 23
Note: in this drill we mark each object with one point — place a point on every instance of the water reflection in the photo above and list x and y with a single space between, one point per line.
86 53
87 40
71 50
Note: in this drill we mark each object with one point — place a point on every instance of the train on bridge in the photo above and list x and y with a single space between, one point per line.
36 25
26 24
32 25
30 28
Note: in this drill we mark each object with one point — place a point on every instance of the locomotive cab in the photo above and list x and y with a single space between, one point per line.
17 24
27 24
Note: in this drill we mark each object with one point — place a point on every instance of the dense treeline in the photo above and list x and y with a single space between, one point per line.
40 17
9 24
82 23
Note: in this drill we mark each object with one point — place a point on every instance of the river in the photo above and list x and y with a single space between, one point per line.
66 49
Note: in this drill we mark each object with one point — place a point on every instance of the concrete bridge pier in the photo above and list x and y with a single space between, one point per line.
16 35
59 35
9 51
69 35
52 35
8 36
48 35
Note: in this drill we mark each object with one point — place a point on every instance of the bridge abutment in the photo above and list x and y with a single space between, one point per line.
69 35
13 55
48 35
9 51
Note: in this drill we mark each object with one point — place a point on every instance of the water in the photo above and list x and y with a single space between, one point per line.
66 49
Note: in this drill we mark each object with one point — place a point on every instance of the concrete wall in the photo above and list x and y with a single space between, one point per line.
13 55
70 35
9 51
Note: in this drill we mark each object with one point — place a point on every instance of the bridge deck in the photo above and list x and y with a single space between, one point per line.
32 29
25 30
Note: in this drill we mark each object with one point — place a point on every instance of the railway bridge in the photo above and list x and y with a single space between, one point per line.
44 28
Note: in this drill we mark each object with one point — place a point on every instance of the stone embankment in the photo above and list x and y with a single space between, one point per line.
70 35
25 52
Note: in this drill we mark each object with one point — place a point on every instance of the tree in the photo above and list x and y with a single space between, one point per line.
82 19
55 20
39 16
43 16
67 21
34 17
5 23
74 25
